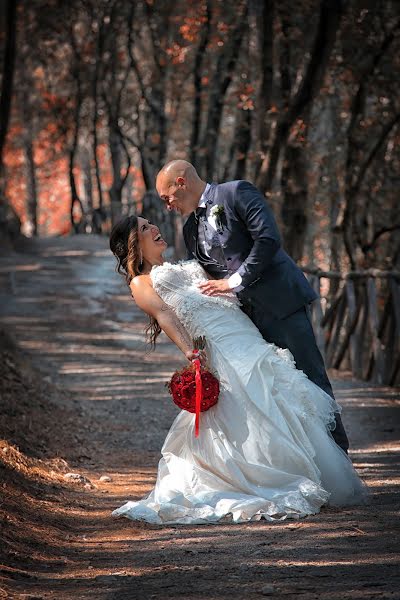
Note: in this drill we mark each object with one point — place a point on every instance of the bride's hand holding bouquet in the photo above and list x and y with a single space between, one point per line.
195 388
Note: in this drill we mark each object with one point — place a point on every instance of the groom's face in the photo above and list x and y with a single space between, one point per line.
175 194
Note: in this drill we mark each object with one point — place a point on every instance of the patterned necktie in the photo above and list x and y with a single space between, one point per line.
200 212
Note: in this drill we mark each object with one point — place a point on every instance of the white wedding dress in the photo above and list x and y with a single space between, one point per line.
265 449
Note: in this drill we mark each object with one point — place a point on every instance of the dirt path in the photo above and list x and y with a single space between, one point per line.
72 314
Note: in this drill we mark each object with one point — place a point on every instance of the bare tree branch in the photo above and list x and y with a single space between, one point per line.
367 72
374 151
367 247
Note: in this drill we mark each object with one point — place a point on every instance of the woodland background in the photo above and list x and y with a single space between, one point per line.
301 98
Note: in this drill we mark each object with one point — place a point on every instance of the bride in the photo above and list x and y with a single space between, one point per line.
265 450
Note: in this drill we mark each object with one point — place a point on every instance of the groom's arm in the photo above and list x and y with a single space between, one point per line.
252 209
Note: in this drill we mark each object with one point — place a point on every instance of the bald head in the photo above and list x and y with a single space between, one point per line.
178 168
179 186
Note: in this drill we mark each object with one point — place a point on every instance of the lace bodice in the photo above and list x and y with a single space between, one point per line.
177 284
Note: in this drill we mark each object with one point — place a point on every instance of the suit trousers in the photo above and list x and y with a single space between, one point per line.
296 333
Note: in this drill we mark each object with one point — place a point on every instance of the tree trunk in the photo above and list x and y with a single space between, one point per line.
10 224
87 180
155 144
7 75
294 206
198 72
115 190
220 82
262 18
31 185
95 96
329 20
78 225
243 140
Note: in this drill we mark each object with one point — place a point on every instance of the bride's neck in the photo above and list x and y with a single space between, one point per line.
148 265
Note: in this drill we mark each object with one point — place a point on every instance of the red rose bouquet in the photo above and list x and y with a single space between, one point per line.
194 388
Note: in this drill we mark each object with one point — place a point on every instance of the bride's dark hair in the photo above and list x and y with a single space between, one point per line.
125 247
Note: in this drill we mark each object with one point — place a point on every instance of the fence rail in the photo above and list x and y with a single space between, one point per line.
358 325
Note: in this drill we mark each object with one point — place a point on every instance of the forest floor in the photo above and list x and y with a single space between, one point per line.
81 399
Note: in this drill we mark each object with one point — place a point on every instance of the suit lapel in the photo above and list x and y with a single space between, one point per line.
190 228
190 233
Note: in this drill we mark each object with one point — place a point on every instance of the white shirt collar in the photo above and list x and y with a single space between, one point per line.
202 201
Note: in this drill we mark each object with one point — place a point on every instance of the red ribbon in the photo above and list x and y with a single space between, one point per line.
199 394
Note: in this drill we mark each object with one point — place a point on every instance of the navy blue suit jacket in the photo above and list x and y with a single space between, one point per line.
251 245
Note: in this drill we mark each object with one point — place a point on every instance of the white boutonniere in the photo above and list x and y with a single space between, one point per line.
217 212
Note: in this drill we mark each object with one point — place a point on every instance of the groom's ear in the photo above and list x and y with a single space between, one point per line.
181 181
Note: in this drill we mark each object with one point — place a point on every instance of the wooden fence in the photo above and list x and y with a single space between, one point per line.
358 325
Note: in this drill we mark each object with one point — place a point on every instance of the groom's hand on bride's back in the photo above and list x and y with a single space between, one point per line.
215 287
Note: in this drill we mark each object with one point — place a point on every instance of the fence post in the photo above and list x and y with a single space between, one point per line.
317 315
376 367
395 290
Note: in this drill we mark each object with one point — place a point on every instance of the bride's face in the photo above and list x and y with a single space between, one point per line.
150 241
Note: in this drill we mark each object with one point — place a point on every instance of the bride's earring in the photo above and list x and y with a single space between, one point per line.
141 260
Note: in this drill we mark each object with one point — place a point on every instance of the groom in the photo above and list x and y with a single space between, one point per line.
232 233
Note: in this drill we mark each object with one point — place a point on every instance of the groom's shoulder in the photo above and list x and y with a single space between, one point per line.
236 189
231 187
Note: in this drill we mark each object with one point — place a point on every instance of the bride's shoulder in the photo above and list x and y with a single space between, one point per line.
140 283
143 292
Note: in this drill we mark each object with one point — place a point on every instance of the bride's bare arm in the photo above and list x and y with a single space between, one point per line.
150 302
